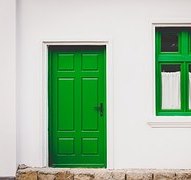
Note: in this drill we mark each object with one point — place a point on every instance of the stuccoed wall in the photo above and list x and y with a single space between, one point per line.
7 88
127 24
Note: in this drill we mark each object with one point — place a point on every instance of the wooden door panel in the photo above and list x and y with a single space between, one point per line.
65 101
66 62
90 104
77 130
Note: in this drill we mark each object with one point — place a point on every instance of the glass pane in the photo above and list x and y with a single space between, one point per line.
170 79
189 86
169 42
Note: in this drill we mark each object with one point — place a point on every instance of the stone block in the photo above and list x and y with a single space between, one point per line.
103 175
118 175
42 176
83 177
64 176
164 175
183 175
28 175
138 175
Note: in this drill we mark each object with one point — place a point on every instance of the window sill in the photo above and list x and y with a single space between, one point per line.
170 122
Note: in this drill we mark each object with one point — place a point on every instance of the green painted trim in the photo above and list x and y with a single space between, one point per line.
182 57
105 106
78 165
49 107
173 113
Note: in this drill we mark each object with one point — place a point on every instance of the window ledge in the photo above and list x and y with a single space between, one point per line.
170 124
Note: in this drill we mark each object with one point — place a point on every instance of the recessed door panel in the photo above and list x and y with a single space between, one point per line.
65 99
65 62
90 104
89 62
65 146
90 146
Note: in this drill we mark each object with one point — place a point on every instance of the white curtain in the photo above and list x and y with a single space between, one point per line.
189 90
171 90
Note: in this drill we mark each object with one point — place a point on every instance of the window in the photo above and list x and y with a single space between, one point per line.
173 71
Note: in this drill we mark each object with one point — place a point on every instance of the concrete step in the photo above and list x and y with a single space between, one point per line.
28 173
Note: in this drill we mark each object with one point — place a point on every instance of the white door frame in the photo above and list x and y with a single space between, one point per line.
109 96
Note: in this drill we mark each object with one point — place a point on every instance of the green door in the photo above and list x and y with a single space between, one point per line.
77 106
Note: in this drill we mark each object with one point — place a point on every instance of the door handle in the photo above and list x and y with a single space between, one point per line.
101 109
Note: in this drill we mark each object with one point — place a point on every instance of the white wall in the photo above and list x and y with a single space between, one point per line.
127 23
7 89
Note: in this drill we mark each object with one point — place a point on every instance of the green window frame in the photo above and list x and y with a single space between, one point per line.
182 57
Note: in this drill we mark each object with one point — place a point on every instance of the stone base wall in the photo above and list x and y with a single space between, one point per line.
27 173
